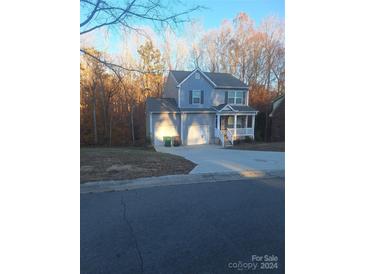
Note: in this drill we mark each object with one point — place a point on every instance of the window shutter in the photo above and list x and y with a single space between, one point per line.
202 96
190 97
226 98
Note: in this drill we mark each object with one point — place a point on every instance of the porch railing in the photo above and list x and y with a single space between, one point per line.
241 131
230 134
220 135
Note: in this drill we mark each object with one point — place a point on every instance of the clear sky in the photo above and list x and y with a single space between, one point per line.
216 11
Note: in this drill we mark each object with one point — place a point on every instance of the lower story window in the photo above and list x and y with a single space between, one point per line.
249 121
240 121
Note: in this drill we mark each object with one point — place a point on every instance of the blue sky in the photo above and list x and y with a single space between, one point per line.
216 11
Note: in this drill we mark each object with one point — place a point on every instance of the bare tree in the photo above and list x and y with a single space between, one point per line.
97 14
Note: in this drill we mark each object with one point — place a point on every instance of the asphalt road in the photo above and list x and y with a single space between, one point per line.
196 228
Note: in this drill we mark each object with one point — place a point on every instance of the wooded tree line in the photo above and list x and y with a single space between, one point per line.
112 101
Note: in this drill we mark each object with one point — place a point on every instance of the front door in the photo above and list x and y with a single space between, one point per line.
227 122
224 122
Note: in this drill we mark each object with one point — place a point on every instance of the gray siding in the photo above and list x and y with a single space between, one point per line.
219 96
164 124
196 84
190 119
170 90
212 97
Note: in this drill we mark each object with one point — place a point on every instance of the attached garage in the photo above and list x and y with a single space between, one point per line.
198 134
198 128
163 119
164 124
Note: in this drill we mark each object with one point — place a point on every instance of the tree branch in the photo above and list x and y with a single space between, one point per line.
91 15
113 67
116 20
128 11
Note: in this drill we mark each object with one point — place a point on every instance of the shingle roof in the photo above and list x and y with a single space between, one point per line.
197 109
161 104
235 107
180 75
276 103
221 80
219 107
243 108
169 105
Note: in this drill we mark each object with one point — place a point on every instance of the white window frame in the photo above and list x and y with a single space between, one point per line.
200 97
235 97
197 76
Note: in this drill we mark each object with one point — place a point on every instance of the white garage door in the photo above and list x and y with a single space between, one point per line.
162 130
198 135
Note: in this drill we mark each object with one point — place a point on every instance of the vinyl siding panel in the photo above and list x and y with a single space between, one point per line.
170 90
196 84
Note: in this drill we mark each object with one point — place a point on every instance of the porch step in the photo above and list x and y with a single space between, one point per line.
227 143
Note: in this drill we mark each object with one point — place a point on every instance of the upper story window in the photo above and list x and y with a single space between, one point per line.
197 76
196 97
235 97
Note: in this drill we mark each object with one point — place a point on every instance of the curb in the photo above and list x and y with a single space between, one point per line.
170 180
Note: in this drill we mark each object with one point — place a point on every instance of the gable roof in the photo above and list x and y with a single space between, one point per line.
237 108
221 80
276 103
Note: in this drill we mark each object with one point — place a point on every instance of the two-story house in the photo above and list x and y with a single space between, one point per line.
200 108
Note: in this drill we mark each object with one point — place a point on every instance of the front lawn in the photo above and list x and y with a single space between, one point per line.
275 146
128 163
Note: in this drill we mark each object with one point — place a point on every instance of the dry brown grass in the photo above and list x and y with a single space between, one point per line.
98 164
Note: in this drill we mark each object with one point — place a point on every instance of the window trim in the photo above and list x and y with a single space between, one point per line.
192 97
235 97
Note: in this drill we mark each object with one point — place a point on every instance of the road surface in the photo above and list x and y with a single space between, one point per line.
193 228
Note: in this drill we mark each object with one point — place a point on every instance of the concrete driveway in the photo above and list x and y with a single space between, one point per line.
214 158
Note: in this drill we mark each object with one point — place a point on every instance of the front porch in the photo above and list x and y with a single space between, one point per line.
232 127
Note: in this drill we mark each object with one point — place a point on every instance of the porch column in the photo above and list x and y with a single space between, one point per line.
246 121
182 117
219 122
235 126
253 126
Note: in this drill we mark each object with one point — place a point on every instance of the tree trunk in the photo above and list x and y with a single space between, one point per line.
132 124
105 115
94 116
110 130
266 124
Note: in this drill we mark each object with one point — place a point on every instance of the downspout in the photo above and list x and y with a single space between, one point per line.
178 97
181 128
152 139
247 96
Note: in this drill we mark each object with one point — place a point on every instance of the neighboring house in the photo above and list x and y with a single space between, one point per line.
200 108
277 119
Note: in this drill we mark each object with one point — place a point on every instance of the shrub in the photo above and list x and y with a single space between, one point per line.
148 141
248 139
258 136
